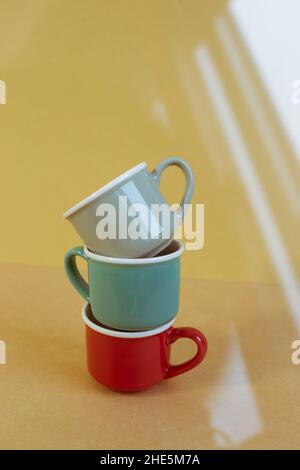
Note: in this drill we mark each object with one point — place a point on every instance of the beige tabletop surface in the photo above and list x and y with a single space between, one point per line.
245 395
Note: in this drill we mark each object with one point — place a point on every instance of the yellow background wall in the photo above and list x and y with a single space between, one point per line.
95 87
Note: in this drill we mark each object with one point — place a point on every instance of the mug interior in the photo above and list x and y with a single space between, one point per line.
92 323
96 322
173 250
168 250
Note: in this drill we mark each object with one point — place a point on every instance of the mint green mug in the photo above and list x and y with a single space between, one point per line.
129 294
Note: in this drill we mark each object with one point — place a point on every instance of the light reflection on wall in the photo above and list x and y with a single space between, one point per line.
255 192
270 28
274 154
160 114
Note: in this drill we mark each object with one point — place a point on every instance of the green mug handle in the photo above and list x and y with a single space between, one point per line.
189 181
73 273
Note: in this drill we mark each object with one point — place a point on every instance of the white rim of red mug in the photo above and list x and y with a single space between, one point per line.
122 334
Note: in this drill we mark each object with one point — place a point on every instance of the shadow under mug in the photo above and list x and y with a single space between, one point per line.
133 361
138 187
129 294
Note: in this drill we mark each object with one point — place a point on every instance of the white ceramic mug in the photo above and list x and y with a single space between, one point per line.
116 205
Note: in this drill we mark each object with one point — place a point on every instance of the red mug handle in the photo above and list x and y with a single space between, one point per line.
195 335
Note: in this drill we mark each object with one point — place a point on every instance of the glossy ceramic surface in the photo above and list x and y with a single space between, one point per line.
137 361
136 187
129 294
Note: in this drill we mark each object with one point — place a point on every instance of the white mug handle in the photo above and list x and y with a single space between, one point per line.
189 181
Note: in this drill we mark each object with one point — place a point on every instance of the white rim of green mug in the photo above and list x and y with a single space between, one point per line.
136 261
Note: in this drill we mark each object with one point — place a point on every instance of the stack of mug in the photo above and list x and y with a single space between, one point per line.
132 294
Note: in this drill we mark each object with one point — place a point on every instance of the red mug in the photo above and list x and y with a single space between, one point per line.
131 361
